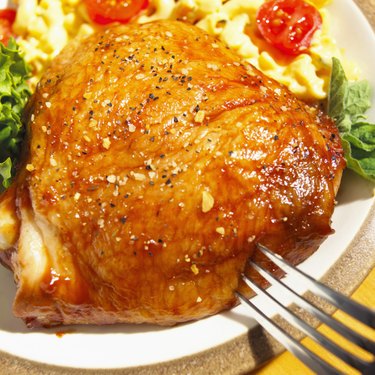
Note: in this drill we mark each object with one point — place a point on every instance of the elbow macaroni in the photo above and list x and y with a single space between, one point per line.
46 26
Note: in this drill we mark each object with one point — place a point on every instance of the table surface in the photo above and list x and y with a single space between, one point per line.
286 363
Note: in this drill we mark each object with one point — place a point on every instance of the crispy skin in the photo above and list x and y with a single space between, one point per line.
127 130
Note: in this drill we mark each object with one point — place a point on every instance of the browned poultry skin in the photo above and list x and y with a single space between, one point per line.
128 129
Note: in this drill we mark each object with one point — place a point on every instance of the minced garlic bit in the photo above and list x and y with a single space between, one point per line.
111 178
194 269
106 143
132 128
220 230
138 176
251 238
213 67
30 167
207 201
199 117
93 123
53 162
77 196
101 223
199 299
48 104
87 95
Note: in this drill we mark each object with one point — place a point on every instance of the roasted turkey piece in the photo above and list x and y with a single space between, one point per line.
157 159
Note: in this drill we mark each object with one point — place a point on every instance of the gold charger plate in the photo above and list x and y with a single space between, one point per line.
248 351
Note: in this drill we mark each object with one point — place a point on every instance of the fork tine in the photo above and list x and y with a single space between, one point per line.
349 358
359 312
353 336
301 352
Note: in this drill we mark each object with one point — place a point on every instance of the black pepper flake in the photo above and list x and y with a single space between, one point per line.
276 137
197 108
151 183
151 96
152 139
162 156
175 119
123 219
231 153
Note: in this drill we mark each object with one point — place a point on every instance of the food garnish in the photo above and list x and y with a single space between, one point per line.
7 17
14 93
347 104
107 11
288 25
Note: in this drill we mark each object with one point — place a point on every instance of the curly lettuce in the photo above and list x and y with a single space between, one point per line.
14 93
347 105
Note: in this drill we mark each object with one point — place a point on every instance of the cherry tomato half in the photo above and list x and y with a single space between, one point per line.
108 11
7 17
288 25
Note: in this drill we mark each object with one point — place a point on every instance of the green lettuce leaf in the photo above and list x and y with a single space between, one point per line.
347 104
14 94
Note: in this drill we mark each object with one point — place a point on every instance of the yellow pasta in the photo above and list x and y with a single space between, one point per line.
46 26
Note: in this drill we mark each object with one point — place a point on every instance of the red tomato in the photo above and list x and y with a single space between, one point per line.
7 17
288 25
108 11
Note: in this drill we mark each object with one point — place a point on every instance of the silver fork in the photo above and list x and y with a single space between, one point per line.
356 310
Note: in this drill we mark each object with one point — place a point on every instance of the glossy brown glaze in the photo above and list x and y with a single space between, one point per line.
157 160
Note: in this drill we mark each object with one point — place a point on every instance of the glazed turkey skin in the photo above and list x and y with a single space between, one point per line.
156 160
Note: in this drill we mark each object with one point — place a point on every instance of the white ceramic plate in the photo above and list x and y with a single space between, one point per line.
124 346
